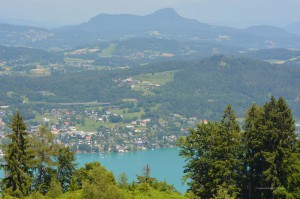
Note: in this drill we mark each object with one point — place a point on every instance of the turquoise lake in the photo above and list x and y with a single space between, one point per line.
165 164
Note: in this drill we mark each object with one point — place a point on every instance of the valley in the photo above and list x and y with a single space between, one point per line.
125 105
140 88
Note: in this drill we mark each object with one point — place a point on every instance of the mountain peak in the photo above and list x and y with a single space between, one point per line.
165 12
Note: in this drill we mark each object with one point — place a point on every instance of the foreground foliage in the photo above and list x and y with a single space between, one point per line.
93 181
262 161
36 167
34 163
18 157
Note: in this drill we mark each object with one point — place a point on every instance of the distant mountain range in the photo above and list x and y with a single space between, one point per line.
293 28
164 23
162 19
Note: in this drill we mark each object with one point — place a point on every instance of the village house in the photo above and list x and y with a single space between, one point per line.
145 122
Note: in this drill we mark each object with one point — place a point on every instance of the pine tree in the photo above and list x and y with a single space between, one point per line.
213 154
253 146
280 142
271 148
196 148
55 189
44 150
65 167
261 162
18 157
226 151
147 171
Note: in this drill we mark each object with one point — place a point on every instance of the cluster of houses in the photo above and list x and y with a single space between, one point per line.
136 84
147 55
138 134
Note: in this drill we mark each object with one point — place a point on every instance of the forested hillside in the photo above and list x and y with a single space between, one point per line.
20 55
199 88
203 87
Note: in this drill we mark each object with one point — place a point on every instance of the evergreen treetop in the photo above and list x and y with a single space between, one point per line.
18 157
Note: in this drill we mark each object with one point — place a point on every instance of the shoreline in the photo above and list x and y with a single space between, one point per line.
115 152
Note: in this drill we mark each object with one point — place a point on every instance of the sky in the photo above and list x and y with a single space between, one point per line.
235 13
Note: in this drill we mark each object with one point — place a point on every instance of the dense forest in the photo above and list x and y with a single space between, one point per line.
199 88
20 55
208 85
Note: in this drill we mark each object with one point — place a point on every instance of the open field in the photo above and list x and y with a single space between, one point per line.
89 125
156 78
76 60
129 115
40 71
151 80
92 125
107 52
45 118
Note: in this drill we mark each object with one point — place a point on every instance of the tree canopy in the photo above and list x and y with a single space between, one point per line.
18 157
259 161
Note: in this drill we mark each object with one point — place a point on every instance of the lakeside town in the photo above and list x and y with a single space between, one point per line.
112 132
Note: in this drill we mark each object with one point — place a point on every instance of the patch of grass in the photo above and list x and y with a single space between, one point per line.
10 93
129 100
41 118
136 114
108 52
128 115
90 125
144 90
155 107
76 60
101 67
25 99
160 78
276 61
40 71
151 80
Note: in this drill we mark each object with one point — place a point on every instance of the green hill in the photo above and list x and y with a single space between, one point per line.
200 88
203 87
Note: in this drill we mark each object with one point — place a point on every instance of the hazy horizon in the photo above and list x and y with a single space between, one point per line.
234 13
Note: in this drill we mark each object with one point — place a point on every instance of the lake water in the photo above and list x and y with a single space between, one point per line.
165 164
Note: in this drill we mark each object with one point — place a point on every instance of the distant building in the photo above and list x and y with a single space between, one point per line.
3 107
88 139
145 122
204 121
